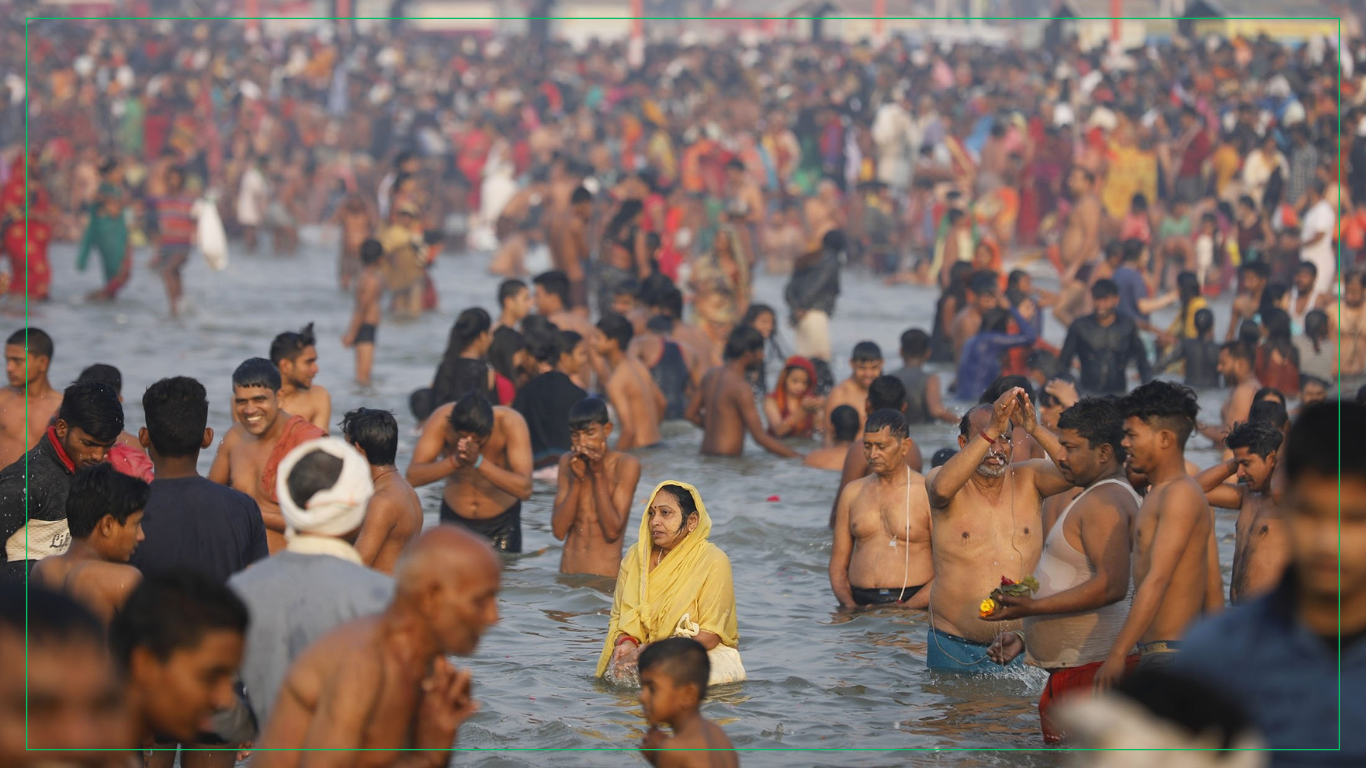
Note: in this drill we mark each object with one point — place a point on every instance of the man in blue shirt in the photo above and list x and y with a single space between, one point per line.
1294 663
1134 302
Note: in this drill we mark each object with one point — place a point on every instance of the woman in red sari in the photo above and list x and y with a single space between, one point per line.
25 241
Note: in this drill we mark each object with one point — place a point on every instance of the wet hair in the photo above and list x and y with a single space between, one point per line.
507 342
1269 412
756 311
459 377
671 301
93 408
1267 393
834 241
34 340
469 326
888 419
1188 284
290 344
617 328
1104 288
1097 420
472 413
373 431
1002 385
371 251
171 611
965 423
1260 437
555 283
580 195
1164 405
686 503
1190 705
866 352
844 423
1316 326
1044 362
742 341
942 456
1259 268
568 341
46 617
915 343
1249 333
660 324
887 391
545 347
983 283
177 412
1313 445
1133 250
587 412
104 374
683 659
1204 321
509 289
995 321
315 471
1277 323
102 490
257 372
1238 350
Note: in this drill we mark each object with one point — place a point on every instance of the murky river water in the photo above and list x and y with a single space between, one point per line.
818 680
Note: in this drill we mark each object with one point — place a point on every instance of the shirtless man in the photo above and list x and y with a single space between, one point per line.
822 213
514 300
1235 365
632 390
1083 573
987 524
568 234
724 405
593 496
1347 318
104 514
844 427
551 296
393 516
1262 550
697 346
378 691
360 335
983 297
358 223
1170 535
1081 235
866 365
884 392
889 504
484 453
250 454
296 355
28 395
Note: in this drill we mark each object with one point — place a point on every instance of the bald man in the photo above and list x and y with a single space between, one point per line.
382 682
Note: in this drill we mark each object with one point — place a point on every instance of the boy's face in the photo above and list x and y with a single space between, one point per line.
192 684
623 303
662 699
865 371
123 539
594 438
573 361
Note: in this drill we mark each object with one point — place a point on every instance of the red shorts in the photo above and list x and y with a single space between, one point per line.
1065 683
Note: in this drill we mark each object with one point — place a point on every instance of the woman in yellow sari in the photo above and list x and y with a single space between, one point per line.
674 583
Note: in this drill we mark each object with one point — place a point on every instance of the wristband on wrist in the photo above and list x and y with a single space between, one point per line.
626 639
983 433
479 461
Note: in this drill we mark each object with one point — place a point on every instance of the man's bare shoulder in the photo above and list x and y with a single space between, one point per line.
439 417
233 437
505 417
1181 496
618 462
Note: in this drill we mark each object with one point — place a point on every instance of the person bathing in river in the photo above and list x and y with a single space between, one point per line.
794 408
673 683
724 405
673 582
107 233
360 335
296 355
595 488
843 430
639 403
393 517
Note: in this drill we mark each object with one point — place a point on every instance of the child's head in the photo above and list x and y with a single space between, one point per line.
371 252
1204 323
589 426
915 346
625 296
844 422
866 362
673 678
614 334
104 509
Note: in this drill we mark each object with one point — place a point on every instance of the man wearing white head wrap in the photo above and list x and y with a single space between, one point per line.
318 582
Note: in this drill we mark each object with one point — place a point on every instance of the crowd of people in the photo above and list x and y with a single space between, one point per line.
643 202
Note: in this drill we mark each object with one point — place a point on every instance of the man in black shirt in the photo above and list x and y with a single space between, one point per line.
191 522
33 520
1105 343
545 400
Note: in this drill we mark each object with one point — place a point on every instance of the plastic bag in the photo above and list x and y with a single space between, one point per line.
209 235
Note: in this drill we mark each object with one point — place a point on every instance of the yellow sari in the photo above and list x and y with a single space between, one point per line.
689 592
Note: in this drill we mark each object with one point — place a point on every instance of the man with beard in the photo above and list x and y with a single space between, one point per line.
33 490
1071 622
1262 549
987 524
296 355
249 456
27 404
888 504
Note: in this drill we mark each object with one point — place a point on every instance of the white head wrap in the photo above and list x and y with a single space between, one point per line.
333 511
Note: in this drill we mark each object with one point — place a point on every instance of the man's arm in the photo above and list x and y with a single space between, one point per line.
755 425
693 412
1069 348
426 466
566 506
324 414
613 501
345 706
1214 575
516 480
1217 492
379 521
221 471
934 401
843 549
956 472
626 416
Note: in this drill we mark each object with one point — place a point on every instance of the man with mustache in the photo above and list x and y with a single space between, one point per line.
987 525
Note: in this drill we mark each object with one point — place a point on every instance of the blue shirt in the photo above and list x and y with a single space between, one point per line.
1286 679
1131 289
981 361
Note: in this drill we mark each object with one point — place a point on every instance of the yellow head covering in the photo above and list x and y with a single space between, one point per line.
693 582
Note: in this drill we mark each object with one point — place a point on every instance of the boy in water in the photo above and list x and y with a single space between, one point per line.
104 514
360 335
865 364
639 402
595 488
844 426
673 683
296 356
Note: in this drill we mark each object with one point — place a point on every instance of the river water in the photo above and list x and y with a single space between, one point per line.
818 680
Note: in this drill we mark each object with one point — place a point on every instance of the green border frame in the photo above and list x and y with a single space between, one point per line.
906 750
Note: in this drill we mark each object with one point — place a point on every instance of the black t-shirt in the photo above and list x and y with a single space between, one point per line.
196 524
545 402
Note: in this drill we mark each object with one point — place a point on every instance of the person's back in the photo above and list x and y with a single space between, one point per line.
915 378
543 401
669 368
1202 363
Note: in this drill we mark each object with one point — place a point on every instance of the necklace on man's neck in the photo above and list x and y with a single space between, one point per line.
388 471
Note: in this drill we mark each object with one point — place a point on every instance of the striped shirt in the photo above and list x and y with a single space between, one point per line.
175 224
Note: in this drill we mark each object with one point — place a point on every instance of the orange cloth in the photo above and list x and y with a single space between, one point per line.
298 431
1064 683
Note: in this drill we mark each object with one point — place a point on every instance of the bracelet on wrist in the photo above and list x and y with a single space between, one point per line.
627 639
983 433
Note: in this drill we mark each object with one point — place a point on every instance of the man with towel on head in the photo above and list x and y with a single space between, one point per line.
318 582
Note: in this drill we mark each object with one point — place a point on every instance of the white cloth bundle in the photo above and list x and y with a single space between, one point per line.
333 511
